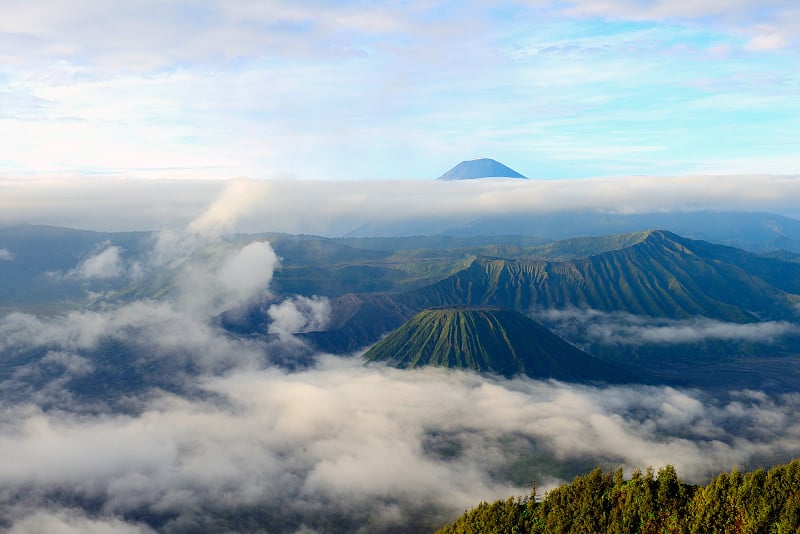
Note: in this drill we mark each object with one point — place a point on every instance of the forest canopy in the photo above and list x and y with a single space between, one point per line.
648 503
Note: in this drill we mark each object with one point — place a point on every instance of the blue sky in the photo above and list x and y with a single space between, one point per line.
393 90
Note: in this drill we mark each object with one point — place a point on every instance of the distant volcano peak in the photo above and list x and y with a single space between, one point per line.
480 168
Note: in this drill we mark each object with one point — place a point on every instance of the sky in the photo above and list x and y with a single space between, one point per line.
397 90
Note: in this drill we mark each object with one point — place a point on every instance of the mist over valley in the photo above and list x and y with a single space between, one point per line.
199 379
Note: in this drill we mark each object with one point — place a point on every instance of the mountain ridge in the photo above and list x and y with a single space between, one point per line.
655 274
659 276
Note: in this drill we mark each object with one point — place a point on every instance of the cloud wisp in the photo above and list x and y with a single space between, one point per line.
627 329
103 265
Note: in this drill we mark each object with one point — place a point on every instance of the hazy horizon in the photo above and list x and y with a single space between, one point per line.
328 207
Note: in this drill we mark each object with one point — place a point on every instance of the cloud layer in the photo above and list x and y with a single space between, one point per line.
627 329
344 437
334 208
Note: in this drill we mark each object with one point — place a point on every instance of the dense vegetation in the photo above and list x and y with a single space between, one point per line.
760 501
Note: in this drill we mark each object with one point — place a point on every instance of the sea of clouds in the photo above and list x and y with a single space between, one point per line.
331 446
327 207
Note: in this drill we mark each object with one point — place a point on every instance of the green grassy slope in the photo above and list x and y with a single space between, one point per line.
654 273
488 340
661 275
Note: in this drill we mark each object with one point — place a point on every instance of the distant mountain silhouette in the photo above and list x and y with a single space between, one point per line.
480 168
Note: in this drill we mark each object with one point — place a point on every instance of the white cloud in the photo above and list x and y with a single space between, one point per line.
236 199
299 314
338 207
70 521
209 277
108 204
103 265
702 330
247 273
344 436
6 255
157 328
238 29
627 329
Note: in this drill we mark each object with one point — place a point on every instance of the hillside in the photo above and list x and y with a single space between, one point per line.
488 340
754 502
39 277
653 274
658 275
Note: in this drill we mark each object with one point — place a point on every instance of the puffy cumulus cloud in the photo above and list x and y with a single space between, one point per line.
209 274
248 272
6 255
180 324
162 329
218 214
105 264
299 314
339 207
343 438
216 276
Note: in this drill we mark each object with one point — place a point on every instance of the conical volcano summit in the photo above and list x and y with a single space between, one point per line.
480 168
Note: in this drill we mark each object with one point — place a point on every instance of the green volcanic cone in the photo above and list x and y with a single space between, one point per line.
489 340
